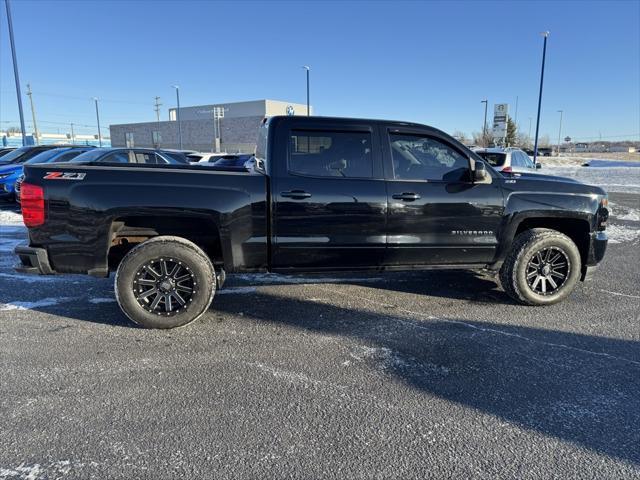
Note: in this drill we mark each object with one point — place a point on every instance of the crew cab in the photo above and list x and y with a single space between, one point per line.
322 195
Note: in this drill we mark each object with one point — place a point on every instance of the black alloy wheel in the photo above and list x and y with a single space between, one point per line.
547 270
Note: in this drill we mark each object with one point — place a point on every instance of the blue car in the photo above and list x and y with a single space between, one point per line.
11 164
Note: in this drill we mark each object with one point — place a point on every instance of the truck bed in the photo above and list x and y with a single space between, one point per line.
90 208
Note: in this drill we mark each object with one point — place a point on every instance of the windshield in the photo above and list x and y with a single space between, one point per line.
90 156
45 156
495 159
14 156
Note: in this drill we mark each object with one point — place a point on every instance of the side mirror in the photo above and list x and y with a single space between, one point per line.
538 166
480 174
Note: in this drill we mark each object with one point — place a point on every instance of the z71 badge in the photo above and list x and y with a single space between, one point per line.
64 176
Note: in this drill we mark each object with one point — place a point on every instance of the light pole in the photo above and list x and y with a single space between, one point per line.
15 71
559 130
72 135
95 99
308 69
178 115
484 125
544 53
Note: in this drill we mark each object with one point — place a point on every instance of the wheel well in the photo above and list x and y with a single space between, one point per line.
576 229
129 231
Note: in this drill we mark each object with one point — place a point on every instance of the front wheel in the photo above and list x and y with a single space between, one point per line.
165 282
542 268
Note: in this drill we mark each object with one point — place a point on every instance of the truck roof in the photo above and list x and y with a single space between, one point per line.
345 120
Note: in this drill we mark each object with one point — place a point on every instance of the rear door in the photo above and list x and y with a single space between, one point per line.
329 197
437 215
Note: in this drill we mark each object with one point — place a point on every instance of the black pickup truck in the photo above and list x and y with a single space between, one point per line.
322 195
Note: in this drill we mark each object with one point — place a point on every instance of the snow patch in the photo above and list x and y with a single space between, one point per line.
622 212
236 290
101 300
45 302
622 233
31 278
36 471
10 218
387 359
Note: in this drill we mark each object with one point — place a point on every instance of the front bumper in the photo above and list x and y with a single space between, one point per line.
597 248
33 260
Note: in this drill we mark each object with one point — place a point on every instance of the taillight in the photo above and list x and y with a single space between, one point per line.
32 202
507 170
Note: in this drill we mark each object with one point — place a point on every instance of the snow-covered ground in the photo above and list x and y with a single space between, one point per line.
614 179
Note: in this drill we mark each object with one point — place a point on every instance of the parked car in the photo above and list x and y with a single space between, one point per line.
11 167
326 194
508 159
240 161
54 155
205 157
5 150
145 156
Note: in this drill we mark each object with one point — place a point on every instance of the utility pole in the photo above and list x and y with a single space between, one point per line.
95 99
484 125
33 114
559 130
15 71
157 109
544 53
515 120
308 69
72 135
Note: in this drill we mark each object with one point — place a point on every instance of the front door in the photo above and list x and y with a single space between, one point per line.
329 200
437 214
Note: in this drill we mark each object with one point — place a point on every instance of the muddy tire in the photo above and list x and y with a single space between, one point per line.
165 282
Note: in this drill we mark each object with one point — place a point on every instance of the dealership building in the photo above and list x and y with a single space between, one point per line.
223 127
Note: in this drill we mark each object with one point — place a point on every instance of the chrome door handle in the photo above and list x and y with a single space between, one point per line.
295 194
407 196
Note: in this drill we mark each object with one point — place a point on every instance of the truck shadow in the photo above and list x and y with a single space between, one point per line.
577 388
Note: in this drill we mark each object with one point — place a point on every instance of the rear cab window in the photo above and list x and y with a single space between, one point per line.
495 159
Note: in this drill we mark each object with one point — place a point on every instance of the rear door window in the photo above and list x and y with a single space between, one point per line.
331 154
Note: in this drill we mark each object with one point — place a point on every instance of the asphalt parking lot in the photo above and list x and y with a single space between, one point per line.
420 375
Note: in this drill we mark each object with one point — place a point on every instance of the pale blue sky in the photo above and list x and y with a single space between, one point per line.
430 62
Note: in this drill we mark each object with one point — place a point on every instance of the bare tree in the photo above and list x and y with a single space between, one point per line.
460 136
483 138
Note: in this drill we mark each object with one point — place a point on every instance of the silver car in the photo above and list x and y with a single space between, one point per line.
508 159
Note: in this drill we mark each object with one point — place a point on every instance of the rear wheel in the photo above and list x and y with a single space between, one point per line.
542 268
165 282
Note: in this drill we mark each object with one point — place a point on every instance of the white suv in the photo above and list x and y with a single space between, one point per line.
508 159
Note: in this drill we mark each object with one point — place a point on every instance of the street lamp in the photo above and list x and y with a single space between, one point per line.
484 125
95 99
560 130
178 115
544 53
15 73
308 69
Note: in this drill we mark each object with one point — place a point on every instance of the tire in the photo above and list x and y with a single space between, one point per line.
178 270
542 267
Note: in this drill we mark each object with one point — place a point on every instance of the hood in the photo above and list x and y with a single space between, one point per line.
550 183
